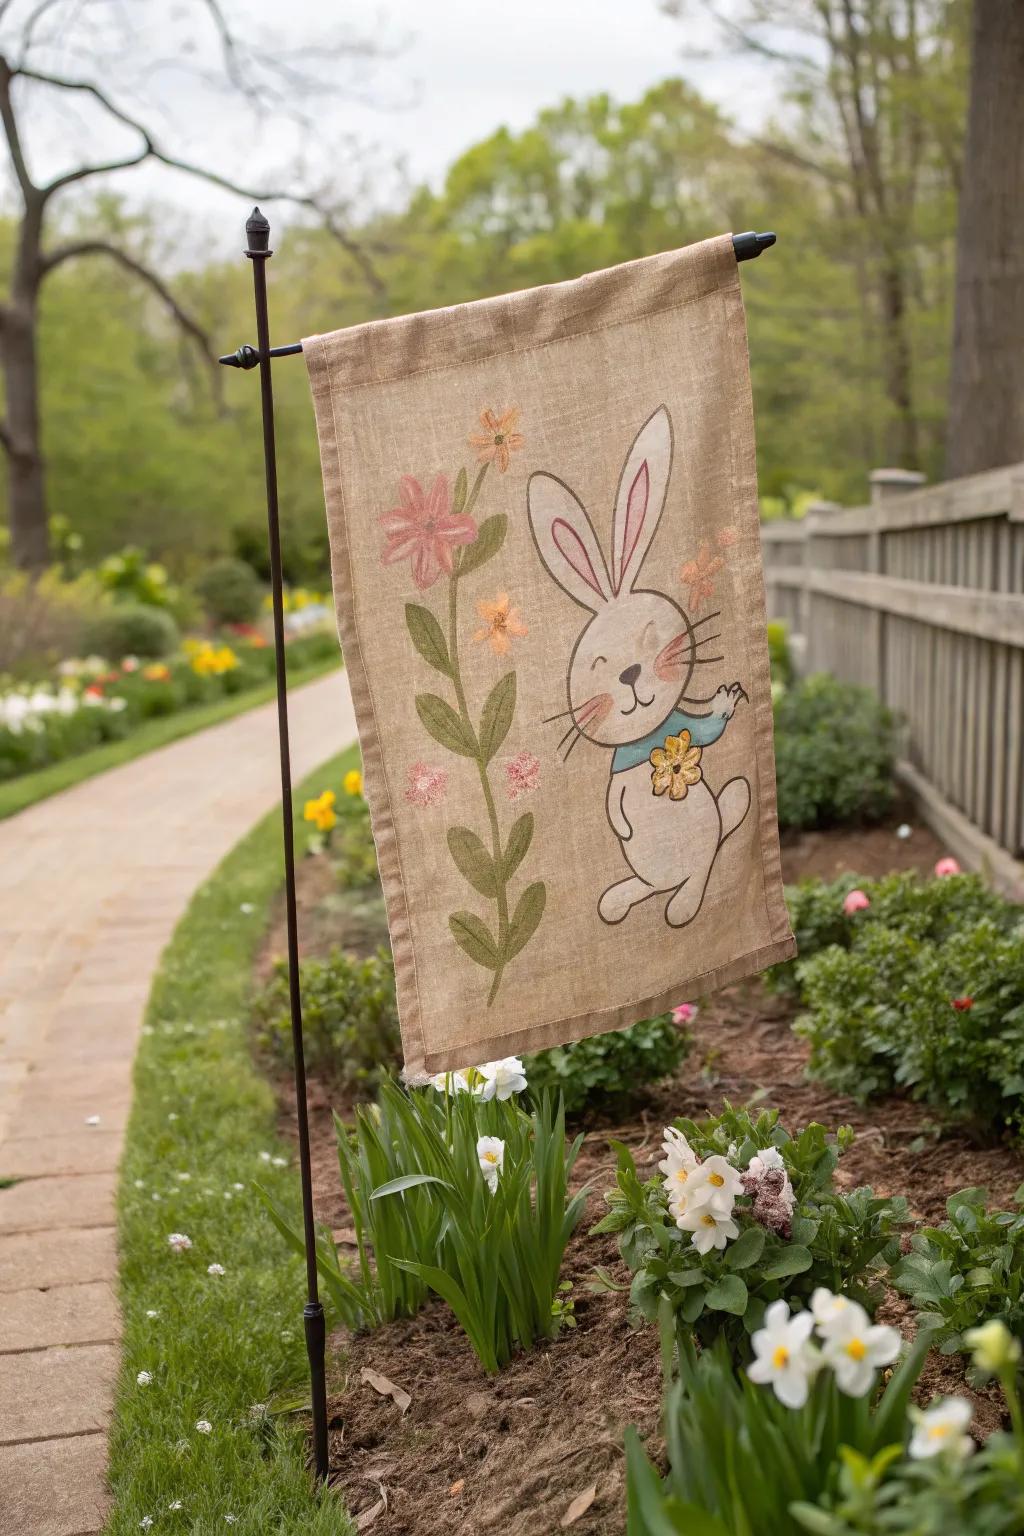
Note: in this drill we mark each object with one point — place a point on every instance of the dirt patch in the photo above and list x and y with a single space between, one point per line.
475 1455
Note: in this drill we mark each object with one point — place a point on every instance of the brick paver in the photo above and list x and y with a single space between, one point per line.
92 884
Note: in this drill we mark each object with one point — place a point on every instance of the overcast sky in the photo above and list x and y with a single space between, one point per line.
455 71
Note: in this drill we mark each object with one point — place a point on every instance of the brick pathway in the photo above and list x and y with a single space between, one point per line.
92 884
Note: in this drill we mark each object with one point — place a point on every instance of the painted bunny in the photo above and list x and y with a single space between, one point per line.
628 676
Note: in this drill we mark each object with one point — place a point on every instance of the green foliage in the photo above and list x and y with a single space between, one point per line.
131 629
606 1071
129 577
353 854
739 1460
940 1014
967 1271
841 1241
229 591
426 1217
349 1017
834 749
779 659
43 618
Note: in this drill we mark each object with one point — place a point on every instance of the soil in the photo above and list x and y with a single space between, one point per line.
510 1455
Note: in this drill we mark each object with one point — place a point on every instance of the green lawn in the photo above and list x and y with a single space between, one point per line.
218 1347
17 794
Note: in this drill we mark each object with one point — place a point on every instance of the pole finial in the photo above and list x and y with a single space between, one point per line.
257 231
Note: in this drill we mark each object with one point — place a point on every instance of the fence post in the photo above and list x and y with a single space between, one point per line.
886 486
815 648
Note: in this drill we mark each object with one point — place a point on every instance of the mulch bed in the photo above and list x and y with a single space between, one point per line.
509 1455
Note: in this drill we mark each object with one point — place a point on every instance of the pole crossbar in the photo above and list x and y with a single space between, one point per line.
258 251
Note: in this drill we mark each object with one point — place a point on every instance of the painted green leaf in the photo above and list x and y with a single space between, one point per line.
518 844
428 637
489 539
498 710
459 493
472 860
473 936
528 913
444 724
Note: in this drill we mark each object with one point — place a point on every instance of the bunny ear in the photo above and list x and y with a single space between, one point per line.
641 497
566 542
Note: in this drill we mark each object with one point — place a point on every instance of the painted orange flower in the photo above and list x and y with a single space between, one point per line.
698 576
675 766
501 623
499 438
425 530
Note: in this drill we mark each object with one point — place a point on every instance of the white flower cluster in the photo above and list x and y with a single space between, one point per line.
24 709
493 1080
702 1194
846 1342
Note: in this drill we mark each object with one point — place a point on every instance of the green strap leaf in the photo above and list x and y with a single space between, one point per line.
472 860
496 719
459 493
518 845
445 725
406 1181
428 637
527 915
489 539
473 936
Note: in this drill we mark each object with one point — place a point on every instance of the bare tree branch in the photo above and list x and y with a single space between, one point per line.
10 126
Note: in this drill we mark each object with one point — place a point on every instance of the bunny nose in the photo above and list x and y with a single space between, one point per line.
630 675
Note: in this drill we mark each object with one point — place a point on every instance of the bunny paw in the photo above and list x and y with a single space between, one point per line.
726 698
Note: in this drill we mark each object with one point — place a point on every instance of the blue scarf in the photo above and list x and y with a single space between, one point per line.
703 729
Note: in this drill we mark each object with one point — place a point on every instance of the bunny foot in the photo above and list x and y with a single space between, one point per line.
733 805
617 900
684 904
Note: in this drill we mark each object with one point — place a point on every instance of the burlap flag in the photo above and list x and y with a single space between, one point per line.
546 562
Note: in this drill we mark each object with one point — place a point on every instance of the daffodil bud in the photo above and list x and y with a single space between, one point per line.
994 1346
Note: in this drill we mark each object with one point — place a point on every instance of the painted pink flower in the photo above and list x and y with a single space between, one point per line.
699 575
947 867
522 775
855 901
425 530
425 785
725 538
684 1013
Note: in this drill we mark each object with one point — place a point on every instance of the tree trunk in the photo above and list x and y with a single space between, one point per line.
26 489
902 436
986 414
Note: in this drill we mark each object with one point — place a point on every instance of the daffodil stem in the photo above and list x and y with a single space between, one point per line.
501 894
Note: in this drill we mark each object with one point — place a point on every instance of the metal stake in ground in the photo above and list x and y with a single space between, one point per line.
257 230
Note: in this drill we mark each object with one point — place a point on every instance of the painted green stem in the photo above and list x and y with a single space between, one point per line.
501 894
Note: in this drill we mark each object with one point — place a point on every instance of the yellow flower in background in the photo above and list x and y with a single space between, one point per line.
213 660
321 811
675 767
156 672
352 783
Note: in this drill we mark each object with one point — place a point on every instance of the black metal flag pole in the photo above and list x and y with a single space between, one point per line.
257 230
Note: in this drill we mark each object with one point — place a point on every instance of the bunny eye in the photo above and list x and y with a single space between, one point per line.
595 661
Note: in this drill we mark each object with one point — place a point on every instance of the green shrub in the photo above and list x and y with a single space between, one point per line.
940 1016
131 629
129 577
967 1271
779 659
932 909
834 750
43 619
349 1017
230 592
607 1071
796 1231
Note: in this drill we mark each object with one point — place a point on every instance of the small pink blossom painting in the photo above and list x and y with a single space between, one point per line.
425 785
522 774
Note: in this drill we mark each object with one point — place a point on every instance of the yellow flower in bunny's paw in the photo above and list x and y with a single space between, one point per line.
675 766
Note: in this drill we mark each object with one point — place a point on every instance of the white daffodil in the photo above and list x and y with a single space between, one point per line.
855 1348
708 1230
455 1081
826 1307
942 1428
994 1346
501 1079
491 1152
783 1355
714 1187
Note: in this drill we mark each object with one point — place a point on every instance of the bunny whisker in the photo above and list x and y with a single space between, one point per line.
560 716
706 639
706 619
706 661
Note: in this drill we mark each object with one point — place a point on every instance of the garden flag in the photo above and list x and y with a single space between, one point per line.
546 561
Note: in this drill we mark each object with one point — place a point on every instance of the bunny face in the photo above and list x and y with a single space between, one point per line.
629 667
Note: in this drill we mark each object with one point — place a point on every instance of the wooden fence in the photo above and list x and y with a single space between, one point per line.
920 596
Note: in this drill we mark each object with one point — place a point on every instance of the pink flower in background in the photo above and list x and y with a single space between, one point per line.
947 867
522 775
855 901
725 538
426 785
425 530
684 1013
